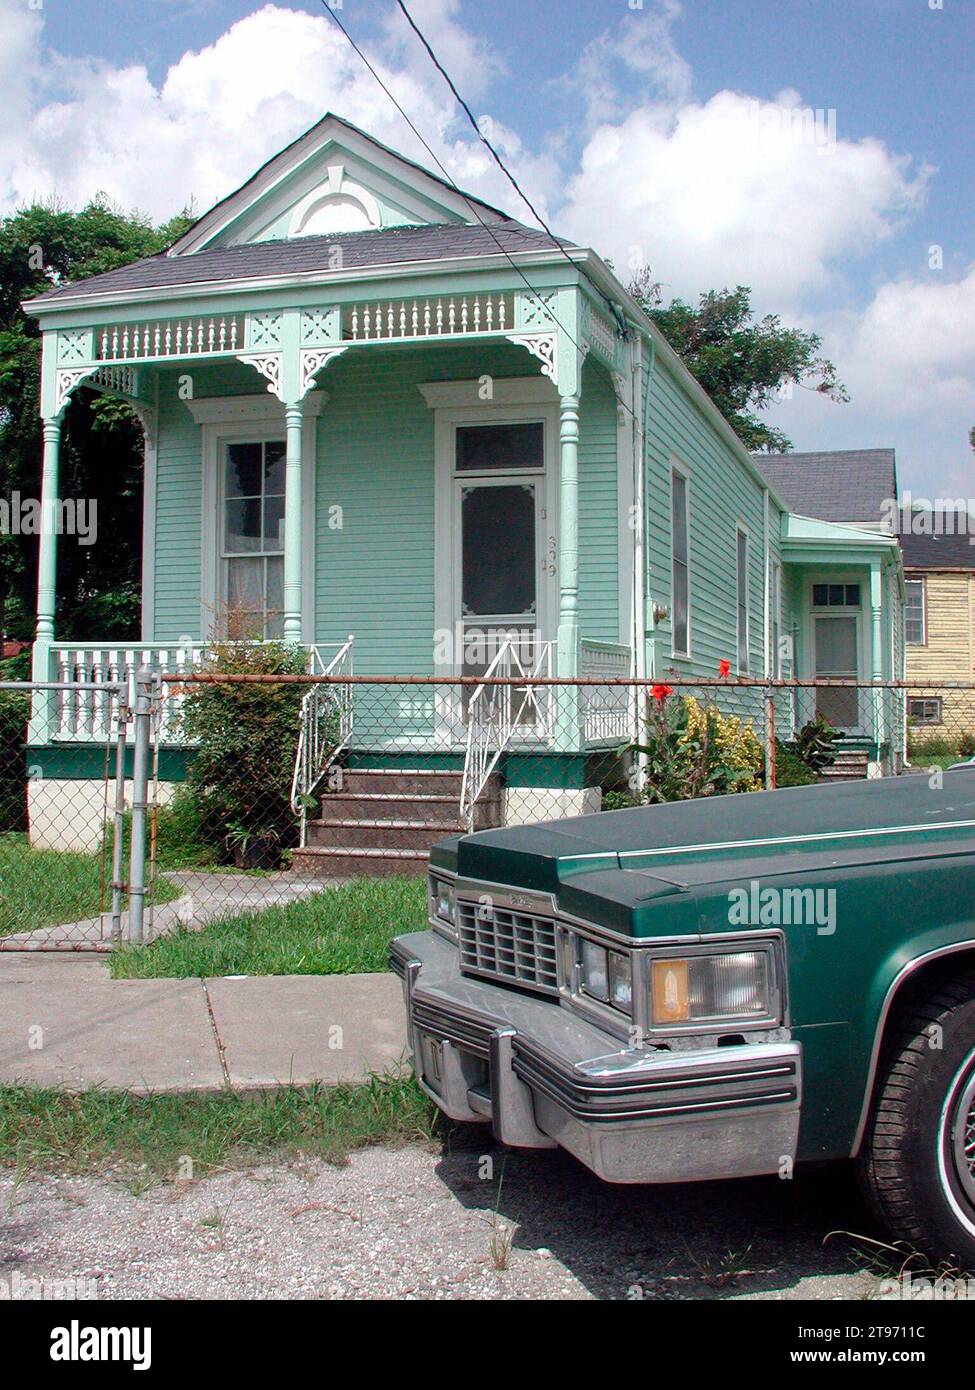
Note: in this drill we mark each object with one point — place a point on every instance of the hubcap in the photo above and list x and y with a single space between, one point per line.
963 1137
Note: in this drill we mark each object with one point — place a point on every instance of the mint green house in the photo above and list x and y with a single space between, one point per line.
395 425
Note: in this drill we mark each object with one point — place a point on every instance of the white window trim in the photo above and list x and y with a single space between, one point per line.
676 466
917 579
775 614
258 426
462 407
742 530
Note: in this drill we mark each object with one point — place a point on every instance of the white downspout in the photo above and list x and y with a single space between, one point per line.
767 554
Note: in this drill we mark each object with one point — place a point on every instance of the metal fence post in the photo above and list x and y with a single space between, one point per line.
140 802
118 843
769 739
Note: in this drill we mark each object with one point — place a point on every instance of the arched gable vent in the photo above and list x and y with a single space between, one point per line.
339 205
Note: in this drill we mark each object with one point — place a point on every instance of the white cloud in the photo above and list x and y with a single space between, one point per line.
641 48
738 190
221 111
728 190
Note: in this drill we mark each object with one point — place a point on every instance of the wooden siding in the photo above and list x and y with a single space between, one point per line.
374 576
722 495
949 653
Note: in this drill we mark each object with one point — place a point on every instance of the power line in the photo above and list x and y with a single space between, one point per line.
460 192
480 134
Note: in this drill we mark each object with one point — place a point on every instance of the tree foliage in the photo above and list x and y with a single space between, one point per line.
744 365
41 247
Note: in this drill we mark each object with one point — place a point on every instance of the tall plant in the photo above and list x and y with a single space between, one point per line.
245 736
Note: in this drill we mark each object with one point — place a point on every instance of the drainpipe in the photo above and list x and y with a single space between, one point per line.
642 608
767 556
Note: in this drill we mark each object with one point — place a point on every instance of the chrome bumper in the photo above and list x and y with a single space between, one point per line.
543 1077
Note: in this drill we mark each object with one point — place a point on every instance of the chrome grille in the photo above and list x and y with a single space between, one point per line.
517 947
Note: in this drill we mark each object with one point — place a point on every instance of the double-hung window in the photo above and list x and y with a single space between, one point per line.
744 615
680 577
915 613
252 541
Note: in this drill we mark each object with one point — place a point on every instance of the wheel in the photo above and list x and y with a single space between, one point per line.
918 1157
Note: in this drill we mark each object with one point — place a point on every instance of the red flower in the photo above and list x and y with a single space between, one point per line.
660 692
724 667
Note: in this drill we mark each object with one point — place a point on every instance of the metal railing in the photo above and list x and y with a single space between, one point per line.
497 713
327 721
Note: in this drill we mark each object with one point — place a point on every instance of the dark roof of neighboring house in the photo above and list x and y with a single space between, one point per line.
851 485
301 255
941 551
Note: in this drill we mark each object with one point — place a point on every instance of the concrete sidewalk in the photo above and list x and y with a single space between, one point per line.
65 1022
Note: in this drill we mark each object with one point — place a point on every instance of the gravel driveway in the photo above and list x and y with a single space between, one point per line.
413 1223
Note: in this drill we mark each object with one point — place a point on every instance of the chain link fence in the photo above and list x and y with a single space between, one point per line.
133 809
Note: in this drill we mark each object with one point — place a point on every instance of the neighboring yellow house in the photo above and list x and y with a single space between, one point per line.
939 621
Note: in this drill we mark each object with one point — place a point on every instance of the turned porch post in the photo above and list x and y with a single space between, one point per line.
294 429
47 559
568 634
877 651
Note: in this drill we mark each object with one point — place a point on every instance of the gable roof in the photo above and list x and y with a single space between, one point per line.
304 255
850 485
307 151
941 551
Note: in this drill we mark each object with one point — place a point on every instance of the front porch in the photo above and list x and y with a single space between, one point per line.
844 590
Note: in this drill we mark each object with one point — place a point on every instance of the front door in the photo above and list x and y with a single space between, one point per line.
837 644
504 559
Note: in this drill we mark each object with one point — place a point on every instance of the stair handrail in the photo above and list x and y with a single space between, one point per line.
491 722
317 749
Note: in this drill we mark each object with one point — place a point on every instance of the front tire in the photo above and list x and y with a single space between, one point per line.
918 1157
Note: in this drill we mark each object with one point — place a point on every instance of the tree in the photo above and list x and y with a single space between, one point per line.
743 365
42 246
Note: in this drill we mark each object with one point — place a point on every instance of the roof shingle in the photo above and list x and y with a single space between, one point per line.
851 485
302 255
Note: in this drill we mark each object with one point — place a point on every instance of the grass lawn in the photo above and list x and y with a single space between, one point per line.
42 887
340 931
148 1136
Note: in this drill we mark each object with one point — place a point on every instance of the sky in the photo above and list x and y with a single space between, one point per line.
818 151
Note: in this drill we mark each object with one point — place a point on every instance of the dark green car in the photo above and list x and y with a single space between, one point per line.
719 988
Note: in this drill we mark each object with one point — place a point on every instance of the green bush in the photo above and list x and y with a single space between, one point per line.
14 713
790 770
246 737
966 746
181 838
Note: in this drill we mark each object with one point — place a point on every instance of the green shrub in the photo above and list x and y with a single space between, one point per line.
815 744
14 713
790 770
966 746
181 838
246 737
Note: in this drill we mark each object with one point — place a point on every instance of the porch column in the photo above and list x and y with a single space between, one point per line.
568 637
877 649
47 559
294 418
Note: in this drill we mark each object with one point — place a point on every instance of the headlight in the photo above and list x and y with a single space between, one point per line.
605 975
442 902
727 987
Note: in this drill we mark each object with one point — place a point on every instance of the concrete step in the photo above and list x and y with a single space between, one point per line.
411 781
331 862
402 806
382 835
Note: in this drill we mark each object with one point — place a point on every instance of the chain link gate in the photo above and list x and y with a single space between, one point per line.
74 763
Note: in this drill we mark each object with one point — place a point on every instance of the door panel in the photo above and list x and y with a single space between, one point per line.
836 641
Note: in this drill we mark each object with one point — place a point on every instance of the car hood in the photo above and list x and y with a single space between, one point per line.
607 866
